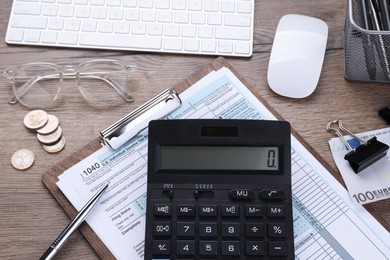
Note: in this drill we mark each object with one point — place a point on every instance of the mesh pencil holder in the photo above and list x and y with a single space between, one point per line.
367 52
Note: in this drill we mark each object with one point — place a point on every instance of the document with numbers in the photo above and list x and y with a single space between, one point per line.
327 225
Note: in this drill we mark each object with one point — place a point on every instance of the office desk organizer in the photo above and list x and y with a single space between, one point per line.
367 51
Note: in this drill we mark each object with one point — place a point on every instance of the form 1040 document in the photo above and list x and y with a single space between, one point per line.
327 225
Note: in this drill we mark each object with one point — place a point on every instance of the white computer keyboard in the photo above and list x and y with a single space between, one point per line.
212 27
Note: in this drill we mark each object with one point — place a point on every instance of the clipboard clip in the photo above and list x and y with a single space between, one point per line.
365 154
129 126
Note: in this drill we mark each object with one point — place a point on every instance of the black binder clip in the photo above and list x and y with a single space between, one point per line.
367 153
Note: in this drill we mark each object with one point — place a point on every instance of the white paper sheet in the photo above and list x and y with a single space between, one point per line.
326 223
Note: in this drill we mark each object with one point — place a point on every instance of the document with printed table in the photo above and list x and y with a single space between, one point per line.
327 225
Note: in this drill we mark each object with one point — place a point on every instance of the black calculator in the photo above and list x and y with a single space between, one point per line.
219 189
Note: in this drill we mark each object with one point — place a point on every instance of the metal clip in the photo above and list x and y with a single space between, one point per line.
132 124
365 154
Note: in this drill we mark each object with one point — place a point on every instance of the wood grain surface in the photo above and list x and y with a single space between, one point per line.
30 218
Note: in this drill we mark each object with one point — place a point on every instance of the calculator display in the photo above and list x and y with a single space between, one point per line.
219 158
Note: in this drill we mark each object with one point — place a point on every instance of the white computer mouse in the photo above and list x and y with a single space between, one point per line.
297 55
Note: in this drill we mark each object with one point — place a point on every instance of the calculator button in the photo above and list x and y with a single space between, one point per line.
162 210
161 247
242 194
230 211
276 248
254 211
254 230
186 210
208 229
230 229
272 195
208 248
185 229
254 248
208 210
276 230
230 248
276 211
185 247
162 229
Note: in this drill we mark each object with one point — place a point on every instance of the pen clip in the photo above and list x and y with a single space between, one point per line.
129 126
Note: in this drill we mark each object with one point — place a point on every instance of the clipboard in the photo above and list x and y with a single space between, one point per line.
50 177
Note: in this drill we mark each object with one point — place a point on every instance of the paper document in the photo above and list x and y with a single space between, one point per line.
327 225
371 184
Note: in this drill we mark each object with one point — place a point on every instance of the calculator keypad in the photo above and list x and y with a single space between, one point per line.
238 225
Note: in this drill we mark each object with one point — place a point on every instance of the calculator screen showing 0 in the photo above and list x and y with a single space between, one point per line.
219 158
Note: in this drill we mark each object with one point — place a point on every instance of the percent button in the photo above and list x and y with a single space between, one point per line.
276 230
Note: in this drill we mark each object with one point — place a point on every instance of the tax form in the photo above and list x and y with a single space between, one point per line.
327 225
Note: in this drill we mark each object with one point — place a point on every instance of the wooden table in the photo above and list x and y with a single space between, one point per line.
30 218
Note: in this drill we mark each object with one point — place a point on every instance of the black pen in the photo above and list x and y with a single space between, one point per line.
368 48
73 225
384 14
382 52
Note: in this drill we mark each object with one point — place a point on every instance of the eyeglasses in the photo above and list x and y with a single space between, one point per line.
37 85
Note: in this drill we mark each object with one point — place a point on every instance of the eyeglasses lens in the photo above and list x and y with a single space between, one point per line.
104 83
36 85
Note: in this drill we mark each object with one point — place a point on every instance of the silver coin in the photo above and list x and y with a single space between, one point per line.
56 147
50 138
35 119
51 125
22 159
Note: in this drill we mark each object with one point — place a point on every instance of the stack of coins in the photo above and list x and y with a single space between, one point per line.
47 126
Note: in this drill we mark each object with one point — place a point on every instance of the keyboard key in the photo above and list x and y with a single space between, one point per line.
243 48
31 22
191 45
33 36
49 37
237 20
27 8
173 44
15 35
68 38
228 6
232 33
208 46
50 10
56 23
